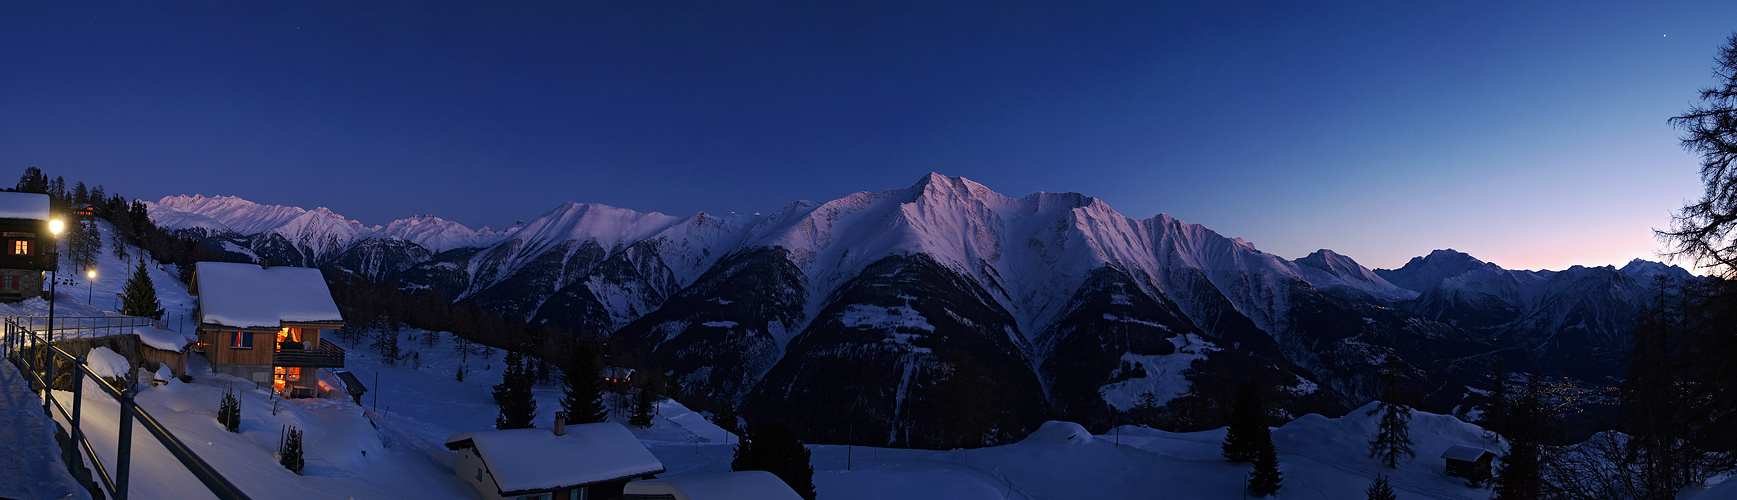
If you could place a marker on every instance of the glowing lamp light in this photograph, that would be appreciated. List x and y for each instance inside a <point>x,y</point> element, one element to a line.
<point>55,226</point>
<point>91,274</point>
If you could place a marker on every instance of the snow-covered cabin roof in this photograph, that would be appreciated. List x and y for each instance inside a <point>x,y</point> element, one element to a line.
<point>23,206</point>
<point>1465,453</point>
<point>742,485</point>
<point>250,296</point>
<point>530,460</point>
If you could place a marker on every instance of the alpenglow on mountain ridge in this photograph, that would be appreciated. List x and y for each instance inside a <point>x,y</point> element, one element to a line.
<point>918,307</point>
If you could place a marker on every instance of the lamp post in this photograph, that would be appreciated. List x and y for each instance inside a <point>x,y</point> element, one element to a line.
<point>90,285</point>
<point>54,228</point>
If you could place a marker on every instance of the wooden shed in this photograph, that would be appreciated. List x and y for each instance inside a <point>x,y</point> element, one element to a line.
<point>1469,462</point>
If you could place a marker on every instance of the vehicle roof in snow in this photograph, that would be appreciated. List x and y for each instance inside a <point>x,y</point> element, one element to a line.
<point>529,460</point>
<point>249,296</point>
<point>741,485</point>
<point>1465,453</point>
<point>23,206</point>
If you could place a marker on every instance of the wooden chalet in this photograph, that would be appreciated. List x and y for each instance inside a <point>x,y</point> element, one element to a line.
<point>267,324</point>
<point>1468,462</point>
<point>585,461</point>
<point>24,233</point>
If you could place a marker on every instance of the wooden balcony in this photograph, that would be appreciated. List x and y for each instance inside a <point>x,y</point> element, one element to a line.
<point>327,355</point>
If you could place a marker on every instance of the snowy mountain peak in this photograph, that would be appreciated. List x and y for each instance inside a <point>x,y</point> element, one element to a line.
<point>1645,270</point>
<point>1422,273</point>
<point>1328,270</point>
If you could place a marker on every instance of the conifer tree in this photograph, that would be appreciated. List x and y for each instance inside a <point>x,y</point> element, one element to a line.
<point>727,418</point>
<point>1146,410</point>
<point>289,450</point>
<point>583,392</point>
<point>773,447</point>
<point>140,296</point>
<point>1496,414</point>
<point>1265,479</point>
<point>1380,490</point>
<point>513,394</point>
<point>644,407</point>
<point>229,411</point>
<point>1247,424</point>
<point>1392,441</point>
<point>1521,474</point>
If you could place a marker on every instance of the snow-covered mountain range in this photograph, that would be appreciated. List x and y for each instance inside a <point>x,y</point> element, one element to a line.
<point>920,306</point>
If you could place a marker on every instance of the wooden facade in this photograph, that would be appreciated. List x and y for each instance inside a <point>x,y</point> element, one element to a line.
<point>24,244</point>
<point>287,359</point>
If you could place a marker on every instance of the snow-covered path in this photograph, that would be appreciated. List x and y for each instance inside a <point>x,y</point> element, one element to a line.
<point>29,458</point>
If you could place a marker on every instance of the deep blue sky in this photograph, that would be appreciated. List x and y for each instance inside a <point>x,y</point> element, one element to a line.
<point>1531,135</point>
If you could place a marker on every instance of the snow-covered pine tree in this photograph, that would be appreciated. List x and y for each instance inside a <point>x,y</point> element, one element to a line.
<point>772,447</point>
<point>582,396</point>
<point>1265,479</point>
<point>1247,422</point>
<point>1380,490</point>
<point>140,296</point>
<point>513,394</point>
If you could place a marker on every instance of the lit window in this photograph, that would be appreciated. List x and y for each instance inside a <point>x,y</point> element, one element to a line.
<point>241,340</point>
<point>20,247</point>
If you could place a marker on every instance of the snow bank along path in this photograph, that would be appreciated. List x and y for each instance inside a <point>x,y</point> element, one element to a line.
<point>29,457</point>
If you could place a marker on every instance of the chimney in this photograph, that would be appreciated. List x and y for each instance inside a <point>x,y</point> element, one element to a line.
<point>560,423</point>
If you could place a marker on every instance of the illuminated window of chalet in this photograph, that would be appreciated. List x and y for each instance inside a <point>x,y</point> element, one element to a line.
<point>292,373</point>
<point>20,247</point>
<point>241,340</point>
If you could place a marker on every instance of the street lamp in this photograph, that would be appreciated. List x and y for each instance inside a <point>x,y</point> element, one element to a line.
<point>54,229</point>
<point>90,285</point>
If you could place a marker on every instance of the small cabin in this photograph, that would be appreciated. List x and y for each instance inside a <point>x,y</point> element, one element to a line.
<point>25,243</point>
<point>740,485</point>
<point>585,461</point>
<point>1468,462</point>
<point>84,210</point>
<point>267,325</point>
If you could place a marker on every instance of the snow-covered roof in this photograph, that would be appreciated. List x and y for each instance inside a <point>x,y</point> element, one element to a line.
<point>250,296</point>
<point>23,206</point>
<point>1465,453</point>
<point>743,485</point>
<point>527,460</point>
<point>161,339</point>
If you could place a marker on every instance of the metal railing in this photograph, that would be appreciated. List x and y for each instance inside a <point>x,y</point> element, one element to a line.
<point>36,357</point>
<point>326,355</point>
<point>82,327</point>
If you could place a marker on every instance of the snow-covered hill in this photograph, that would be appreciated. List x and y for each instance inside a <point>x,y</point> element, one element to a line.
<point>315,237</point>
